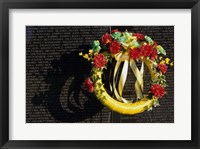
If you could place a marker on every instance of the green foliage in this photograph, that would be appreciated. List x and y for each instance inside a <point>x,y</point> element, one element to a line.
<point>160,79</point>
<point>156,103</point>
<point>160,50</point>
<point>136,44</point>
<point>96,46</point>
<point>116,35</point>
<point>123,39</point>
<point>149,40</point>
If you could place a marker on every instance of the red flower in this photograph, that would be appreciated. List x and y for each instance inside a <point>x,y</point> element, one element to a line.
<point>114,47</point>
<point>89,84</point>
<point>157,90</point>
<point>99,60</point>
<point>139,36</point>
<point>146,50</point>
<point>114,30</point>
<point>134,53</point>
<point>163,68</point>
<point>153,55</point>
<point>106,39</point>
<point>154,44</point>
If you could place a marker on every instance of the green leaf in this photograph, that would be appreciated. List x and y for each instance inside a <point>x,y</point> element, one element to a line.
<point>156,103</point>
<point>123,39</point>
<point>136,44</point>
<point>160,50</point>
<point>149,40</point>
<point>127,34</point>
<point>116,35</point>
<point>96,46</point>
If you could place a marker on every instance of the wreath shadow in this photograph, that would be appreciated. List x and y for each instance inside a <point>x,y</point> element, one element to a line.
<point>69,66</point>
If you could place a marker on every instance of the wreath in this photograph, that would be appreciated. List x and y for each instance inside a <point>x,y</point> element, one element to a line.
<point>126,49</point>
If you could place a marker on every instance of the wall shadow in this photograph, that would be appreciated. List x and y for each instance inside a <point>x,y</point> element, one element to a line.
<point>67,67</point>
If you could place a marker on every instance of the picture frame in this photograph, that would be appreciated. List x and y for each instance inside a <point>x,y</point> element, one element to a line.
<point>5,143</point>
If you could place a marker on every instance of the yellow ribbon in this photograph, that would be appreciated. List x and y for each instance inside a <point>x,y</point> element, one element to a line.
<point>124,57</point>
<point>123,77</point>
<point>114,81</point>
<point>139,76</point>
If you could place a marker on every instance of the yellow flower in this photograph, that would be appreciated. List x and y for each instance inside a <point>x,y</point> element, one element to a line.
<point>90,51</point>
<point>167,60</point>
<point>171,64</point>
<point>162,62</point>
<point>80,54</point>
<point>86,56</point>
<point>160,58</point>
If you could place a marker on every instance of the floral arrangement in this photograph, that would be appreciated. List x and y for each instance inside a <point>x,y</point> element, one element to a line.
<point>127,49</point>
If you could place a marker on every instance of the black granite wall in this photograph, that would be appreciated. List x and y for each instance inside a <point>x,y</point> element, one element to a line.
<point>55,74</point>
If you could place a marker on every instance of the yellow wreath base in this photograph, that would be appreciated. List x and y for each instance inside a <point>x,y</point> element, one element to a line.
<point>117,106</point>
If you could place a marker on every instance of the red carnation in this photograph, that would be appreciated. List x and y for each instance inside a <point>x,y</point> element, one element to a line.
<point>163,68</point>
<point>157,90</point>
<point>139,36</point>
<point>153,55</point>
<point>114,30</point>
<point>99,60</point>
<point>114,47</point>
<point>89,84</point>
<point>134,53</point>
<point>154,44</point>
<point>146,50</point>
<point>106,39</point>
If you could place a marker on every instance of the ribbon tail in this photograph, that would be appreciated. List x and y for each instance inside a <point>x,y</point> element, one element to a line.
<point>123,77</point>
<point>120,58</point>
<point>114,80</point>
<point>139,77</point>
<point>122,81</point>
<point>139,86</point>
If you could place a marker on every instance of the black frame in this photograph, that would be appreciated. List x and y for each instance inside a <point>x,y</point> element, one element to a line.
<point>5,5</point>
